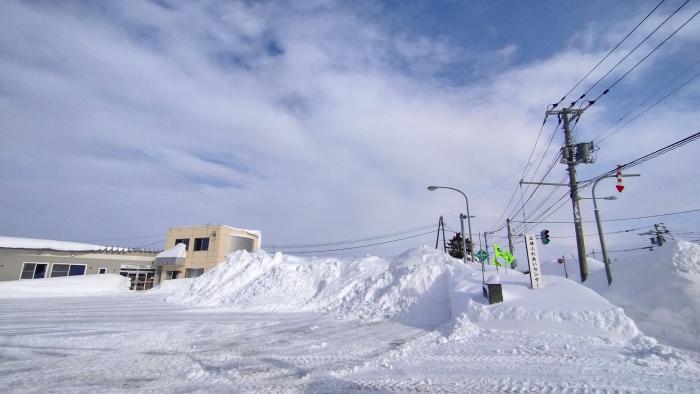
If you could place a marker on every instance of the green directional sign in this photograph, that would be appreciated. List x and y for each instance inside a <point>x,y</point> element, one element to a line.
<point>482,255</point>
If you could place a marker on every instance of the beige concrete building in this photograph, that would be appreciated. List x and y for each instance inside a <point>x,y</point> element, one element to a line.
<point>206,246</point>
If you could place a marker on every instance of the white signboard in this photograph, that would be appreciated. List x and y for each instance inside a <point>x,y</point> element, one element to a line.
<point>533,260</point>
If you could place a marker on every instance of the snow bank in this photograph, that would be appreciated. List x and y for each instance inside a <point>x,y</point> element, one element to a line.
<point>422,287</point>
<point>70,286</point>
<point>173,286</point>
<point>411,287</point>
<point>660,289</point>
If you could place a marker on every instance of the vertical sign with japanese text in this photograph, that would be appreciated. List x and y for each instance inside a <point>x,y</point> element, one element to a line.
<point>533,260</point>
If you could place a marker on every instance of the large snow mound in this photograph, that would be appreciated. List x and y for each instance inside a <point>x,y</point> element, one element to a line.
<point>660,290</point>
<point>421,287</point>
<point>70,286</point>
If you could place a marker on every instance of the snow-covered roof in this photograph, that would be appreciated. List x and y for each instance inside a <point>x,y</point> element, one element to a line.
<point>177,251</point>
<point>36,243</point>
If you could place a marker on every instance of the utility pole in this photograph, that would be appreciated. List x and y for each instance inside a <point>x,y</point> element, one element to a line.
<point>441,227</point>
<point>510,237</point>
<point>464,243</point>
<point>572,155</point>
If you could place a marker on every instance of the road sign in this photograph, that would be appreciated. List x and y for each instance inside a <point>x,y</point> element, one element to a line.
<point>482,255</point>
<point>533,260</point>
<point>618,175</point>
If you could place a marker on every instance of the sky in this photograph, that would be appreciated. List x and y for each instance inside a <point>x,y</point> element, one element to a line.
<point>324,121</point>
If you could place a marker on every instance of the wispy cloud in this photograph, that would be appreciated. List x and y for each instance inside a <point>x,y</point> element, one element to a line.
<point>308,121</point>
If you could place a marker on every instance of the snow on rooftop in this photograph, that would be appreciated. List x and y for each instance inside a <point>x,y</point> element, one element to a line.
<point>36,243</point>
<point>177,251</point>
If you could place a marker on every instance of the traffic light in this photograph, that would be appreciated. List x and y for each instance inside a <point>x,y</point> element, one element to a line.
<point>544,236</point>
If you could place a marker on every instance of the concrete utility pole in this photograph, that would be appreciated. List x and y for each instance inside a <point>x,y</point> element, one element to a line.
<point>464,243</point>
<point>510,237</point>
<point>572,155</point>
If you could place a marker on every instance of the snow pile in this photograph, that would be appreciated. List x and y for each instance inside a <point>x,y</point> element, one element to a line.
<point>69,286</point>
<point>411,287</point>
<point>561,305</point>
<point>422,287</point>
<point>660,290</point>
<point>173,286</point>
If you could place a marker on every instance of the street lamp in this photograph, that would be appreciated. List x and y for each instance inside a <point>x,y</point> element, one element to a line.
<point>469,216</point>
<point>606,260</point>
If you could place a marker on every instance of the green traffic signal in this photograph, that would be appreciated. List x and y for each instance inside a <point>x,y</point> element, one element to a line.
<point>544,236</point>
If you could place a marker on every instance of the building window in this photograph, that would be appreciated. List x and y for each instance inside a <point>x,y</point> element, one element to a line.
<point>171,275</point>
<point>102,271</point>
<point>33,271</point>
<point>201,244</point>
<point>193,272</point>
<point>185,241</point>
<point>142,277</point>
<point>59,270</point>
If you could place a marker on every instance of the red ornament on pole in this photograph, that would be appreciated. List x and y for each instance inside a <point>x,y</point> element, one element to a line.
<point>619,185</point>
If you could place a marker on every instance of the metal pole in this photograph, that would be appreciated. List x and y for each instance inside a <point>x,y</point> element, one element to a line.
<point>438,232</point>
<point>601,235</point>
<point>482,264</point>
<point>469,223</point>
<point>486,242</point>
<point>563,261</point>
<point>444,241</point>
<point>464,252</point>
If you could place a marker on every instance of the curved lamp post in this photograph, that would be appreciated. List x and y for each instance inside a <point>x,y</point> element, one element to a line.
<point>469,222</point>
<point>601,237</point>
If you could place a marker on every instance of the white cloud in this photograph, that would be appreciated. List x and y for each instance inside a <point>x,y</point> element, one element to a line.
<point>145,117</point>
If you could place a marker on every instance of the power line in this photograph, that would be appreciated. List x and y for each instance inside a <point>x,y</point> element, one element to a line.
<point>333,243</point>
<point>527,164</point>
<point>644,58</point>
<point>363,246</point>
<point>629,250</point>
<point>607,55</point>
<point>622,219</point>
<point>629,54</point>
<point>649,156</point>
<point>122,238</point>
<point>151,244</point>
<point>659,90</point>
<point>684,84</point>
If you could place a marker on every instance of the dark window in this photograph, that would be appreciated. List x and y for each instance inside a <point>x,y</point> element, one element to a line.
<point>28,271</point>
<point>33,271</point>
<point>201,244</point>
<point>185,241</point>
<point>193,272</point>
<point>76,270</point>
<point>102,271</point>
<point>58,270</point>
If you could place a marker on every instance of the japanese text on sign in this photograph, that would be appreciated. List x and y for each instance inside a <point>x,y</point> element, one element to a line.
<point>533,260</point>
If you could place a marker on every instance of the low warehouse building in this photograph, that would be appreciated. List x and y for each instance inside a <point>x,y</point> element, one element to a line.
<point>200,248</point>
<point>29,258</point>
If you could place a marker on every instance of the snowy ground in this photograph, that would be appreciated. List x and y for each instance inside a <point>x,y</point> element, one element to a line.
<point>138,343</point>
<point>277,323</point>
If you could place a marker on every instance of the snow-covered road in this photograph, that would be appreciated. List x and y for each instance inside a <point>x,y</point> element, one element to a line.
<point>137,343</point>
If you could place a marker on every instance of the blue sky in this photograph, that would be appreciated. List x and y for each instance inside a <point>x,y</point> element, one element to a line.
<point>320,121</point>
